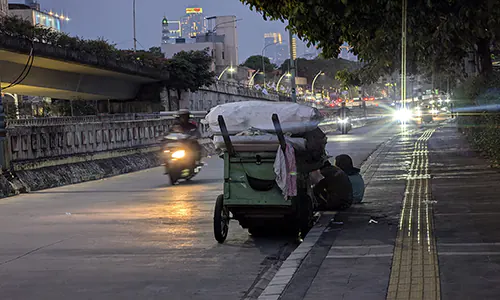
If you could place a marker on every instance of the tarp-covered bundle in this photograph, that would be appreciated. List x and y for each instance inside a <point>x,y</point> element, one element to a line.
<point>251,128</point>
<point>241,116</point>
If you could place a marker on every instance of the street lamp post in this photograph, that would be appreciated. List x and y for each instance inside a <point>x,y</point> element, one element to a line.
<point>281,78</point>
<point>263,64</point>
<point>229,69</point>
<point>314,81</point>
<point>250,82</point>
<point>133,16</point>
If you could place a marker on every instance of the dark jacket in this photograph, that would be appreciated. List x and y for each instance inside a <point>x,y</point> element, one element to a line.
<point>335,190</point>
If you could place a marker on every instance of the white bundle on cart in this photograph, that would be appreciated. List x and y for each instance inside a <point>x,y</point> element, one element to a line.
<point>241,116</point>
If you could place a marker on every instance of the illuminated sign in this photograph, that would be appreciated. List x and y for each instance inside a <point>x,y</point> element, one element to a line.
<point>194,10</point>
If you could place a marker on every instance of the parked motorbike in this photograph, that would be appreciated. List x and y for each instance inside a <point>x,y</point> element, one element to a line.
<point>180,157</point>
<point>344,125</point>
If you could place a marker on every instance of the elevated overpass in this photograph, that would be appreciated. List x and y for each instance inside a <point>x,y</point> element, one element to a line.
<point>57,73</point>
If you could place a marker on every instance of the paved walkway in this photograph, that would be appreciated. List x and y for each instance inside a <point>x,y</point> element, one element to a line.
<point>429,228</point>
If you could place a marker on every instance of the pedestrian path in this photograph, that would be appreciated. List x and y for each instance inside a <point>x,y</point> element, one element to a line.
<point>429,229</point>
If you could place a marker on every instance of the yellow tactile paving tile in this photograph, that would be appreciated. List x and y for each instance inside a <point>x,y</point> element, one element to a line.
<point>415,270</point>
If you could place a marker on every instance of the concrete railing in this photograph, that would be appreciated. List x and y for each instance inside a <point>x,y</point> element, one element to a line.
<point>53,138</point>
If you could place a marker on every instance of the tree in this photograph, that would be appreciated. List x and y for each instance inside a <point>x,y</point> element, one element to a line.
<point>156,51</point>
<point>255,62</point>
<point>310,68</point>
<point>189,71</point>
<point>440,33</point>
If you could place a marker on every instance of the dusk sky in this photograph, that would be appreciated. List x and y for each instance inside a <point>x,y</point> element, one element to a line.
<point>112,19</point>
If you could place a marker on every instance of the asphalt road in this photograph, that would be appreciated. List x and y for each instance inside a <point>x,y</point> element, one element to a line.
<point>135,237</point>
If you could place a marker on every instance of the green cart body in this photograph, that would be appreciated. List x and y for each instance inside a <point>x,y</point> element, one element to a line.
<point>252,196</point>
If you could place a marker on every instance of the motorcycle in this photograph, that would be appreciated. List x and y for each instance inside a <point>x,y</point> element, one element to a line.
<point>344,125</point>
<point>180,157</point>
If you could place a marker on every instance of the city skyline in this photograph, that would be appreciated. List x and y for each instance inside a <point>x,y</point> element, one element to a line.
<point>113,21</point>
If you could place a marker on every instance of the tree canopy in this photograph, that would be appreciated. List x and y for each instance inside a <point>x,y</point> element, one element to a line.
<point>310,68</point>
<point>440,33</point>
<point>255,62</point>
<point>189,71</point>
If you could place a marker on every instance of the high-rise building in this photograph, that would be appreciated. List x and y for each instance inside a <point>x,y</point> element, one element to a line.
<point>273,43</point>
<point>225,26</point>
<point>31,12</point>
<point>193,23</point>
<point>277,50</point>
<point>171,30</point>
<point>294,48</point>
<point>222,43</point>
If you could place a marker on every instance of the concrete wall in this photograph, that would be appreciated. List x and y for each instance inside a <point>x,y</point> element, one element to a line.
<point>42,140</point>
<point>206,98</point>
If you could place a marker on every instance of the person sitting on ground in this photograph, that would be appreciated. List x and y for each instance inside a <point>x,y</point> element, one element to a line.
<point>334,191</point>
<point>344,162</point>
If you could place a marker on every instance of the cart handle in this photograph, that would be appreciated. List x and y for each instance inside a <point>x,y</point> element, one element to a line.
<point>225,135</point>
<point>279,132</point>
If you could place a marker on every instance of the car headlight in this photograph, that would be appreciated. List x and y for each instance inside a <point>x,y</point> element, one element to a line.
<point>343,121</point>
<point>402,115</point>
<point>179,154</point>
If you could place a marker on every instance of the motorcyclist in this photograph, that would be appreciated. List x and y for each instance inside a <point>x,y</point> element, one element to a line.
<point>184,125</point>
<point>343,112</point>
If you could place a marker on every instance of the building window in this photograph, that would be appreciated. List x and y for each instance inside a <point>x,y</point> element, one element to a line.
<point>223,55</point>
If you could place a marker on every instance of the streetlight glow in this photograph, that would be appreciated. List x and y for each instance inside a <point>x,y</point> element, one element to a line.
<point>229,69</point>
<point>281,78</point>
<point>320,73</point>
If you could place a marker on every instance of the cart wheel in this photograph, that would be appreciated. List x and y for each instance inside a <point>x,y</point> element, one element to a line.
<point>221,220</point>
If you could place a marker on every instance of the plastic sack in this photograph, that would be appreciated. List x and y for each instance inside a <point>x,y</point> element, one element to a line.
<point>240,116</point>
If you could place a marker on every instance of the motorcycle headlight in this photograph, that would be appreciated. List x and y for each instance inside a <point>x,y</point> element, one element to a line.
<point>179,154</point>
<point>402,115</point>
<point>343,121</point>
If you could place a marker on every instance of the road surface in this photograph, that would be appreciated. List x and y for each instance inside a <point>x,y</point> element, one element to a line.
<point>135,237</point>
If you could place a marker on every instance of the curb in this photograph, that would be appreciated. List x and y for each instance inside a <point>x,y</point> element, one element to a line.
<point>291,265</point>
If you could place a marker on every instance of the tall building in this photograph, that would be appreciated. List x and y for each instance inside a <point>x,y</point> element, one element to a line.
<point>222,43</point>
<point>226,26</point>
<point>171,30</point>
<point>32,13</point>
<point>275,49</point>
<point>294,48</point>
<point>193,23</point>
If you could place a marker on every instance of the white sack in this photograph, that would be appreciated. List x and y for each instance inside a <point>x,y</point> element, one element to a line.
<point>240,116</point>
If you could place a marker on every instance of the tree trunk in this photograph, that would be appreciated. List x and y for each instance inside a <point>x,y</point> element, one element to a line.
<point>179,92</point>
<point>484,54</point>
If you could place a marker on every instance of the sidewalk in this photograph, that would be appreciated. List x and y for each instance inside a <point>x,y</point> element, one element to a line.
<point>440,195</point>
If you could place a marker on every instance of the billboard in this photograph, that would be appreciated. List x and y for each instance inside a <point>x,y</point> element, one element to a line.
<point>194,10</point>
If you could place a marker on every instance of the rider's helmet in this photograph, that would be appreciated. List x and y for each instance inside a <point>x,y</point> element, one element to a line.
<point>183,114</point>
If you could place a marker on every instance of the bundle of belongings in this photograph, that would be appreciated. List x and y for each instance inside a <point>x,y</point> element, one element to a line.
<point>251,129</point>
